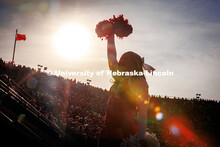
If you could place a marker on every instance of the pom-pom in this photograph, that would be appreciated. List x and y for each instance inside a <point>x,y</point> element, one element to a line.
<point>104,28</point>
<point>121,26</point>
<point>116,25</point>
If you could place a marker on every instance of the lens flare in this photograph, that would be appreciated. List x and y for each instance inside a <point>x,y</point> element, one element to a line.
<point>174,130</point>
<point>146,101</point>
<point>21,118</point>
<point>181,132</point>
<point>157,109</point>
<point>31,83</point>
<point>139,96</point>
<point>159,115</point>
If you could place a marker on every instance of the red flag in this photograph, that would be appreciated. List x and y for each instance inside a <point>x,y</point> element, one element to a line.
<point>20,37</point>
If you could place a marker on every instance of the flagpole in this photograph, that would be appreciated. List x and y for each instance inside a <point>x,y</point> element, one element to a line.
<point>14,46</point>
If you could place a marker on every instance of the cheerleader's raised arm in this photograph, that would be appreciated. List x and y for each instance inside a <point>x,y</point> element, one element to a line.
<point>111,53</point>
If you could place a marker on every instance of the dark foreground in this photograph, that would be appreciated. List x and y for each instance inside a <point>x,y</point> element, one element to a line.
<point>41,110</point>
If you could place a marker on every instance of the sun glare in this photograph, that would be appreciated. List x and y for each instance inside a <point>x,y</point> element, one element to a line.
<point>72,41</point>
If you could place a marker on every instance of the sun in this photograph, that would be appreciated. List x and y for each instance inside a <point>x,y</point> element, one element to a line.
<point>72,41</point>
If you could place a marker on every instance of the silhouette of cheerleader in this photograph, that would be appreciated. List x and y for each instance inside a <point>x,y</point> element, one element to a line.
<point>128,94</point>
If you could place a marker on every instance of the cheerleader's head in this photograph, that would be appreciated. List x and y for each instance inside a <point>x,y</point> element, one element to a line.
<point>130,61</point>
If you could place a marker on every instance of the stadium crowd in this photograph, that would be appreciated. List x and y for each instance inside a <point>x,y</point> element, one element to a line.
<point>79,109</point>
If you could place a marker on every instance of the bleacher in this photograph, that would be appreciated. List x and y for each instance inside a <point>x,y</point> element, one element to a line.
<point>21,123</point>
